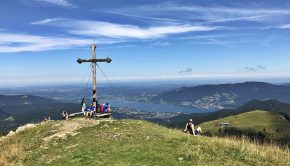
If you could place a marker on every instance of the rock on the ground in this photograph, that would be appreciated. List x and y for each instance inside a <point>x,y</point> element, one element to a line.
<point>11,133</point>
<point>22,128</point>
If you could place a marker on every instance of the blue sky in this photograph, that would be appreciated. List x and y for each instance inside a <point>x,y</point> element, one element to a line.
<point>40,40</point>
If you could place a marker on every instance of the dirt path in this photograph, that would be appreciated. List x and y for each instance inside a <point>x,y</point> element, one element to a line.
<point>70,127</point>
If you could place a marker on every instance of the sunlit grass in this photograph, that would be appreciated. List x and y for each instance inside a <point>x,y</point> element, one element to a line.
<point>129,142</point>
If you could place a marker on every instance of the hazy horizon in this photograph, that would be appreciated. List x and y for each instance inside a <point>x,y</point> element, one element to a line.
<point>176,82</point>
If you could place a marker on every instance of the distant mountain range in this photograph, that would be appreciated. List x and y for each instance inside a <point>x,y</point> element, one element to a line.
<point>225,95</point>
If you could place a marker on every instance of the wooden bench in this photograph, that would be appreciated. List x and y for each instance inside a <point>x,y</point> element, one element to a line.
<point>98,115</point>
<point>75,114</point>
<point>104,115</point>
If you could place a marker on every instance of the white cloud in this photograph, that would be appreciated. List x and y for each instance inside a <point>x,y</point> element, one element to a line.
<point>257,18</point>
<point>140,17</point>
<point>10,42</point>
<point>199,76</point>
<point>45,21</point>
<point>95,28</point>
<point>112,30</point>
<point>229,10</point>
<point>161,43</point>
<point>228,40</point>
<point>255,68</point>
<point>63,3</point>
<point>285,26</point>
<point>207,13</point>
<point>185,70</point>
<point>204,14</point>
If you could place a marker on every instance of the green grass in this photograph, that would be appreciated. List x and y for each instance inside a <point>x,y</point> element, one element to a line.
<point>257,121</point>
<point>129,142</point>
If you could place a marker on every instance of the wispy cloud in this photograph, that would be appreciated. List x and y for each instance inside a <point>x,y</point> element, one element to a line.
<point>285,26</point>
<point>199,76</point>
<point>266,41</point>
<point>96,28</point>
<point>46,21</point>
<point>229,10</point>
<point>112,30</point>
<point>257,18</point>
<point>255,68</point>
<point>185,70</point>
<point>214,36</point>
<point>10,42</point>
<point>63,3</point>
<point>161,43</point>
<point>140,17</point>
<point>231,40</point>
<point>206,14</point>
<point>217,42</point>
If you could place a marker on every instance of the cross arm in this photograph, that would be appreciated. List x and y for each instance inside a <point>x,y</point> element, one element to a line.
<point>108,60</point>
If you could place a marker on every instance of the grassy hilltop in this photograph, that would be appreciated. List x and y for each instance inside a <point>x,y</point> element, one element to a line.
<point>82,141</point>
<point>273,125</point>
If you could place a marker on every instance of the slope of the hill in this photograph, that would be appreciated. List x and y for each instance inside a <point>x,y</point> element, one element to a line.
<point>271,125</point>
<point>128,142</point>
<point>225,95</point>
<point>266,105</point>
<point>198,118</point>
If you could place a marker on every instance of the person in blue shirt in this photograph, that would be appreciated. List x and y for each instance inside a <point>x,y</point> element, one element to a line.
<point>91,111</point>
<point>106,108</point>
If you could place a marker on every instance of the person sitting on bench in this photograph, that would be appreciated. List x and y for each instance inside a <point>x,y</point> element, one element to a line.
<point>84,107</point>
<point>106,108</point>
<point>91,111</point>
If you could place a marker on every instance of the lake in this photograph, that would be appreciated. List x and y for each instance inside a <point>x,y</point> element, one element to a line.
<point>152,107</point>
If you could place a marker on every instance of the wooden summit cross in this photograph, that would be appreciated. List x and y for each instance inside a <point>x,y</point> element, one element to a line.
<point>94,61</point>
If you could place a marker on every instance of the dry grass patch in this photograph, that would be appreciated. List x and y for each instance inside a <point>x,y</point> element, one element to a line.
<point>233,151</point>
<point>11,152</point>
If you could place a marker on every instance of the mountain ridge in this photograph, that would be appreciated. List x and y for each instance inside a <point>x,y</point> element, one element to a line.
<point>220,96</point>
